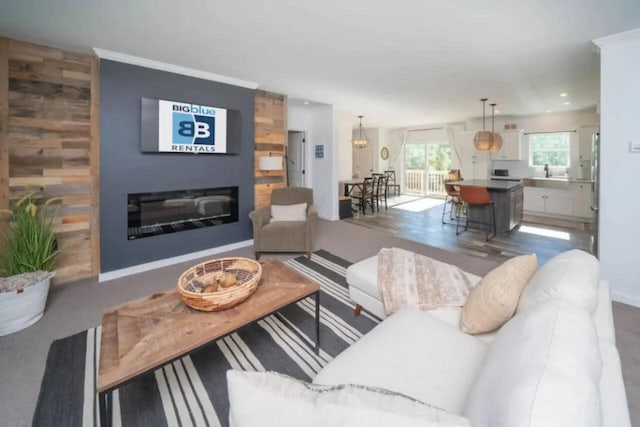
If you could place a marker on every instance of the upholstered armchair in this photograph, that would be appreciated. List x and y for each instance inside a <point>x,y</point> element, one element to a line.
<point>278,234</point>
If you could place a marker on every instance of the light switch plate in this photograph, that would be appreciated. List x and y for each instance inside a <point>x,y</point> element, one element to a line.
<point>634,146</point>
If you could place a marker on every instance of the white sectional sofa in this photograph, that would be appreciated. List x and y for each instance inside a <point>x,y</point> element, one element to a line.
<point>554,363</point>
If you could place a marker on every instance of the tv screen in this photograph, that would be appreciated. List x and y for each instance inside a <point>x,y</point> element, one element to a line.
<point>180,127</point>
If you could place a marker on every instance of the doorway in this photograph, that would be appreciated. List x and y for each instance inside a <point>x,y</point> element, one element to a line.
<point>426,167</point>
<point>295,157</point>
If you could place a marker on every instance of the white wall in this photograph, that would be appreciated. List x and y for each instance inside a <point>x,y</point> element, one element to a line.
<point>364,158</point>
<point>620,169</point>
<point>319,123</point>
<point>344,147</point>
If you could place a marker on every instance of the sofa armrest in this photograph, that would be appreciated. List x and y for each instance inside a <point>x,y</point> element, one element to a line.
<point>312,219</point>
<point>260,217</point>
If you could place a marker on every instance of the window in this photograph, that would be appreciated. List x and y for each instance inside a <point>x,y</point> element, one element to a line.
<point>552,149</point>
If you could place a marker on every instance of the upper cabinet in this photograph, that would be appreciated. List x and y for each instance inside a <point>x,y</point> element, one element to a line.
<point>474,164</point>
<point>510,147</point>
<point>585,138</point>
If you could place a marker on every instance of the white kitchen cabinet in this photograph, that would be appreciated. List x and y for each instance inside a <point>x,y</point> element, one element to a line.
<point>474,164</point>
<point>585,138</point>
<point>510,147</point>
<point>534,199</point>
<point>582,199</point>
<point>548,201</point>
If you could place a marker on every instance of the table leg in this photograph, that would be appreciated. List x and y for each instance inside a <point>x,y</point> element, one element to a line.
<point>318,322</point>
<point>106,408</point>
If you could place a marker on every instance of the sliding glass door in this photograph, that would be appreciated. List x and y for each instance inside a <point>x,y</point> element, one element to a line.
<point>425,167</point>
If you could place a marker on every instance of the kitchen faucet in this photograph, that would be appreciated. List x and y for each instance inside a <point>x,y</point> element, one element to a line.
<point>546,171</point>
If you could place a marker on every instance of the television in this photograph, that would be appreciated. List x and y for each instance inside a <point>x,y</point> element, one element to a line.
<point>182,127</point>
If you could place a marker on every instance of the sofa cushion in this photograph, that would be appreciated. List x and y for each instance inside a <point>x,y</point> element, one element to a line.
<point>270,399</point>
<point>573,275</point>
<point>494,300</point>
<point>542,368</point>
<point>297,212</point>
<point>412,353</point>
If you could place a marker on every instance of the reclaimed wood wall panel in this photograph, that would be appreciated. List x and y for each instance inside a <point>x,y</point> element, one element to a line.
<point>49,140</point>
<point>270,135</point>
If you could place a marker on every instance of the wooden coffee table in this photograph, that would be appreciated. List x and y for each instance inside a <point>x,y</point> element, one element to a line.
<point>142,335</point>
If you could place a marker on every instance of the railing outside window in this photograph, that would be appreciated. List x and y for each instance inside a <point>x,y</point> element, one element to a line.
<point>414,182</point>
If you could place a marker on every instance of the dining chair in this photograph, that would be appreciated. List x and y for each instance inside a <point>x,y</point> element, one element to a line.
<point>363,194</point>
<point>391,182</point>
<point>380,191</point>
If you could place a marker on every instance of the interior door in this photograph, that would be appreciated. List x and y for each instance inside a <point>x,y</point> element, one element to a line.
<point>295,159</point>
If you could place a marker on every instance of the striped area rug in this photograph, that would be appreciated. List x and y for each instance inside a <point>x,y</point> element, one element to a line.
<point>192,391</point>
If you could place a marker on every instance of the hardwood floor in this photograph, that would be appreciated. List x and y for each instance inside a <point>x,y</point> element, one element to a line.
<point>426,227</point>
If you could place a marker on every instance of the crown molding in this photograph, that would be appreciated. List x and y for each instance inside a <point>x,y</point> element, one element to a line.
<point>632,35</point>
<point>171,68</point>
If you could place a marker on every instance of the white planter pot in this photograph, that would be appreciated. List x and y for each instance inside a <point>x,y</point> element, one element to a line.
<point>22,308</point>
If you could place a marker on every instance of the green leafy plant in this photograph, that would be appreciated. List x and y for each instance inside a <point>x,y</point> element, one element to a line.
<point>29,242</point>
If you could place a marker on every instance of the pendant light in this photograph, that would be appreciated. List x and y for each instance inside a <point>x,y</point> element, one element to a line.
<point>496,138</point>
<point>483,139</point>
<point>361,141</point>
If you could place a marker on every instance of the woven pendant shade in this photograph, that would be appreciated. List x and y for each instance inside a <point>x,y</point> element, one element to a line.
<point>483,140</point>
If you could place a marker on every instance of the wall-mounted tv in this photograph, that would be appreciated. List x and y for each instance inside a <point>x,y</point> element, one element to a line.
<point>181,127</point>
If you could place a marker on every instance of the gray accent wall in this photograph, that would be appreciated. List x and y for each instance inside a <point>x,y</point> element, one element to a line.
<point>125,169</point>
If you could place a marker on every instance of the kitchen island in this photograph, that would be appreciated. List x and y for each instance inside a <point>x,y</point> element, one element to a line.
<point>508,198</point>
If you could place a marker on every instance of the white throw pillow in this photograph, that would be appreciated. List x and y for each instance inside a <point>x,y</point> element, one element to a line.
<point>296,212</point>
<point>573,276</point>
<point>543,368</point>
<point>268,399</point>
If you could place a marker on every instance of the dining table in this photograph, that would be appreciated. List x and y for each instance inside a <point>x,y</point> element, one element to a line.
<point>351,184</point>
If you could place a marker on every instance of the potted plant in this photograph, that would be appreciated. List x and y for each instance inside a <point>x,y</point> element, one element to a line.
<point>28,253</point>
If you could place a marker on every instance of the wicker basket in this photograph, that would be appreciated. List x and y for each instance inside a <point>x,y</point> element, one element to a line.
<point>247,274</point>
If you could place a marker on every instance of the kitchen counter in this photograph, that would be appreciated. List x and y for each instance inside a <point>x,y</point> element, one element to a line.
<point>507,197</point>
<point>491,185</point>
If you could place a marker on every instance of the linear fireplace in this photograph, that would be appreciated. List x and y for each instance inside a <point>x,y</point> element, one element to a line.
<point>151,214</point>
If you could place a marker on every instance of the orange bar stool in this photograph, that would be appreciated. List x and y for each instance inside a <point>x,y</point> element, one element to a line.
<point>478,198</point>
<point>452,199</point>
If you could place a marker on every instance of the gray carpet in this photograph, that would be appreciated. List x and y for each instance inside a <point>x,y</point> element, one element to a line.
<point>193,389</point>
<point>76,307</point>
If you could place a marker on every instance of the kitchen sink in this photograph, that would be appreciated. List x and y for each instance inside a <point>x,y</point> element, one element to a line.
<point>551,182</point>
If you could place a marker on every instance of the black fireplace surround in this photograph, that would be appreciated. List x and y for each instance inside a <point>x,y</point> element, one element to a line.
<point>151,214</point>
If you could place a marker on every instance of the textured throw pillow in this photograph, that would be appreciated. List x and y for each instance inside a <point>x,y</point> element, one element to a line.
<point>493,302</point>
<point>268,399</point>
<point>289,212</point>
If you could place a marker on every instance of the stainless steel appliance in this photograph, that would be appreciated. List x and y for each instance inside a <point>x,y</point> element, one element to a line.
<point>595,203</point>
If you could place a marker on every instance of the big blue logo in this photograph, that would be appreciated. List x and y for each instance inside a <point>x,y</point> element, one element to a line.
<point>193,124</point>
<point>190,128</point>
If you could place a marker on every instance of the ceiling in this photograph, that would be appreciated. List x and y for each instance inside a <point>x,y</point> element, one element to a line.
<point>400,63</point>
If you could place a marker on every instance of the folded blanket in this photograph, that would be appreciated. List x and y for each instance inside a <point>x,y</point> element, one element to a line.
<point>409,279</point>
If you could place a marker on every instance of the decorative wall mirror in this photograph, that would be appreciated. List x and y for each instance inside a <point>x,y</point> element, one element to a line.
<point>384,153</point>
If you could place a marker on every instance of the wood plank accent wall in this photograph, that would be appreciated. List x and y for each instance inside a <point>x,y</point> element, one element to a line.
<point>270,136</point>
<point>51,134</point>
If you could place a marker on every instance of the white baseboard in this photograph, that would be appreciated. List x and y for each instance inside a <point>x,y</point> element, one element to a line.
<point>141,268</point>
<point>625,298</point>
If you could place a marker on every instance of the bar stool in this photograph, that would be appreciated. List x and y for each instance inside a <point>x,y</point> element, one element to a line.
<point>452,199</point>
<point>477,198</point>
